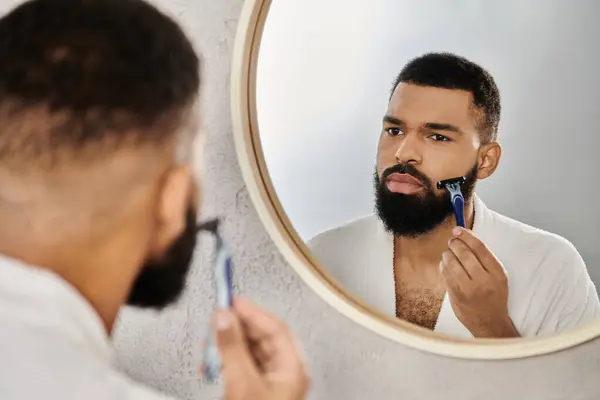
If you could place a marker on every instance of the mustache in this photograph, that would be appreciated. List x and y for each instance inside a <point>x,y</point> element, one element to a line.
<point>409,170</point>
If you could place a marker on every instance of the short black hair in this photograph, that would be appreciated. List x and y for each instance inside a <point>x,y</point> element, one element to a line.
<point>450,71</point>
<point>103,72</point>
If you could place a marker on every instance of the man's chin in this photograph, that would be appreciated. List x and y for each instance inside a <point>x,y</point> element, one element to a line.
<point>157,289</point>
<point>412,216</point>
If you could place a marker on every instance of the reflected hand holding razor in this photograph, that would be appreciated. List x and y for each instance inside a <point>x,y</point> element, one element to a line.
<point>223,270</point>
<point>456,197</point>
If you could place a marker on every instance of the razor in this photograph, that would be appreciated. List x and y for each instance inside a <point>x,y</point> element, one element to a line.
<point>224,289</point>
<point>456,197</point>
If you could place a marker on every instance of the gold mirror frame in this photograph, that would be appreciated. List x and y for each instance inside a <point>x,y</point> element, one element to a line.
<point>297,254</point>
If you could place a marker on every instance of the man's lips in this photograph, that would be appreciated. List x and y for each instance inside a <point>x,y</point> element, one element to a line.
<point>404,184</point>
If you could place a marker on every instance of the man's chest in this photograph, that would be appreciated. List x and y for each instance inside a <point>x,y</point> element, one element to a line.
<point>418,299</point>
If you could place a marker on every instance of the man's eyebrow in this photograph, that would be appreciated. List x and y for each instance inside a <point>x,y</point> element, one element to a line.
<point>392,120</point>
<point>442,127</point>
<point>438,126</point>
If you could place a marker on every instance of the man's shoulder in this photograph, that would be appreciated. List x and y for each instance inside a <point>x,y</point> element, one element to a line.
<point>346,233</point>
<point>64,369</point>
<point>524,239</point>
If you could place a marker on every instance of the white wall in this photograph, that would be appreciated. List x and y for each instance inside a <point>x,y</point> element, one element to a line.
<point>326,69</point>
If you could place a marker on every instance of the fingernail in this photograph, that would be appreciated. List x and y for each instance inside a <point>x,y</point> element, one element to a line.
<point>456,231</point>
<point>223,320</point>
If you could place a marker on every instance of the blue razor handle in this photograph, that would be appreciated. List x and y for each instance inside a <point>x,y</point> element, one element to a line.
<point>458,203</point>
<point>224,289</point>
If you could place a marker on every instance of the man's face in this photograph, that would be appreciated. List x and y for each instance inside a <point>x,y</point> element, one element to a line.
<point>429,134</point>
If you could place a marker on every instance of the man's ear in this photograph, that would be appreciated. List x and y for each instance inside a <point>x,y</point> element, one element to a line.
<point>174,201</point>
<point>489,158</point>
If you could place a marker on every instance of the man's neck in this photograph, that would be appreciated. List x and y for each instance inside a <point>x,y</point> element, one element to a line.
<point>427,249</point>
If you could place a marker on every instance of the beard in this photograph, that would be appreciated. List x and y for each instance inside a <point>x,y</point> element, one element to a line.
<point>417,214</point>
<point>161,282</point>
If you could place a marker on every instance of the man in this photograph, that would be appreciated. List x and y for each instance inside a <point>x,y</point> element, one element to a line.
<point>411,262</point>
<point>98,116</point>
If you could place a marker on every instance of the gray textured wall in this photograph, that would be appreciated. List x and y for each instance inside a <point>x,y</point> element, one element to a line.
<point>346,361</point>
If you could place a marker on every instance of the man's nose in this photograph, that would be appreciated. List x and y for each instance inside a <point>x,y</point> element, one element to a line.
<point>409,150</point>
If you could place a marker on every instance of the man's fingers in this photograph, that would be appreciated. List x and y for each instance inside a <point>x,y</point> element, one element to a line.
<point>467,259</point>
<point>453,266</point>
<point>263,352</point>
<point>278,348</point>
<point>259,324</point>
<point>236,359</point>
<point>452,286</point>
<point>479,249</point>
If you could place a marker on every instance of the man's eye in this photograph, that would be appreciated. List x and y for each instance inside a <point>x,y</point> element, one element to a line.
<point>439,138</point>
<point>393,131</point>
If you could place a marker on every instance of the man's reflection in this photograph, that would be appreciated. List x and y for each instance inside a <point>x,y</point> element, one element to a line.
<point>501,278</point>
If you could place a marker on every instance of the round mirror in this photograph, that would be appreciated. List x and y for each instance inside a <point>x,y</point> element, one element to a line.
<point>369,131</point>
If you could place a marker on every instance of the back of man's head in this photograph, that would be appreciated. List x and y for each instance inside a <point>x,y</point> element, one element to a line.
<point>96,96</point>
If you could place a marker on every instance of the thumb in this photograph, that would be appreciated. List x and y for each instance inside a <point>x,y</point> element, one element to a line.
<point>237,361</point>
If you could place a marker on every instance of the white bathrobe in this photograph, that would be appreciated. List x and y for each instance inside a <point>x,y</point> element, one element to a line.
<point>53,345</point>
<point>549,287</point>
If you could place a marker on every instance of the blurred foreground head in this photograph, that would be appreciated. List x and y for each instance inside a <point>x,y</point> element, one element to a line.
<point>98,120</point>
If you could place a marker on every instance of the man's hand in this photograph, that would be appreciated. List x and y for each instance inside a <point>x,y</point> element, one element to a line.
<point>259,356</point>
<point>477,286</point>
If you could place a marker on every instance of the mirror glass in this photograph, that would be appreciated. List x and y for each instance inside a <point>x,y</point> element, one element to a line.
<point>363,107</point>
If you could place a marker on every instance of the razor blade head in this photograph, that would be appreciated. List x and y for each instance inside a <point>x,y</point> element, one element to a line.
<point>210,226</point>
<point>442,184</point>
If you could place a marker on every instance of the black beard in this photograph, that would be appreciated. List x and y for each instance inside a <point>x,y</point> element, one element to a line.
<point>415,215</point>
<point>161,282</point>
